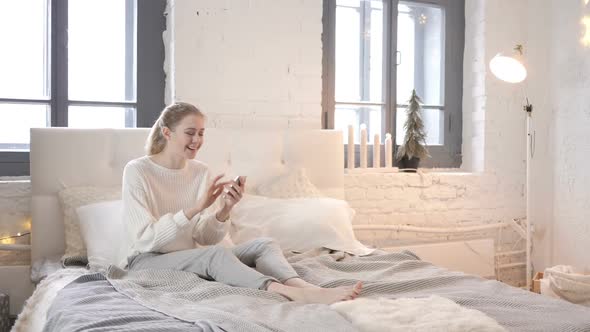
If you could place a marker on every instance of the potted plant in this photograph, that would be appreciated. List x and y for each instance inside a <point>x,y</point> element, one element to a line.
<point>413,148</point>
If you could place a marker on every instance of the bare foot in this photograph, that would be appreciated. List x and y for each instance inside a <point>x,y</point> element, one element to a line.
<point>317,294</point>
<point>299,283</point>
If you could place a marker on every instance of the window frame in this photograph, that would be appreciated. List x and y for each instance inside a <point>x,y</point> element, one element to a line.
<point>447,155</point>
<point>150,76</point>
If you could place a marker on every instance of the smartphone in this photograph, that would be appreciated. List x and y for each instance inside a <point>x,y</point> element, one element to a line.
<point>237,180</point>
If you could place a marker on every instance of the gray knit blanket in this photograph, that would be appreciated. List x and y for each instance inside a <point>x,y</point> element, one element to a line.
<point>167,300</point>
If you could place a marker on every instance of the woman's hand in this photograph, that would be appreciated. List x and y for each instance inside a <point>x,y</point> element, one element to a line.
<point>214,190</point>
<point>231,196</point>
<point>212,193</point>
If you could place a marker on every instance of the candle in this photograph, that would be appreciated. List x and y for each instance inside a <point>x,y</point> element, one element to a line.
<point>363,145</point>
<point>350,147</point>
<point>376,151</point>
<point>388,150</point>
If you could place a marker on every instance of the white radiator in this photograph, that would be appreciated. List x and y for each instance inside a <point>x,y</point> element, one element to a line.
<point>472,257</point>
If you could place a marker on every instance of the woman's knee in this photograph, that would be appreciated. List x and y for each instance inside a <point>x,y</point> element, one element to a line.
<point>265,242</point>
<point>221,252</point>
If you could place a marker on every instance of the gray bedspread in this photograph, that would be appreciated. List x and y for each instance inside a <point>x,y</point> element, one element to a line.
<point>166,300</point>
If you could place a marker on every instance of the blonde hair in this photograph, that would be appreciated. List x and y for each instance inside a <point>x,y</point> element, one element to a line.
<point>170,117</point>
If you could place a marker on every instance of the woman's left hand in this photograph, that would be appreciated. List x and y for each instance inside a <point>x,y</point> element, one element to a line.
<point>231,196</point>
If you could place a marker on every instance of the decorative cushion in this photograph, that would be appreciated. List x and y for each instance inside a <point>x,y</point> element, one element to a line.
<point>73,198</point>
<point>293,184</point>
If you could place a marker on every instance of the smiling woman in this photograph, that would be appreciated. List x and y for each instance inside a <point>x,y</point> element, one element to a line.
<point>176,215</point>
<point>181,125</point>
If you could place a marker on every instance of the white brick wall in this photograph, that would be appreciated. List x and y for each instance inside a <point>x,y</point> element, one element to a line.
<point>253,64</point>
<point>474,96</point>
<point>15,198</point>
<point>429,199</point>
<point>560,181</point>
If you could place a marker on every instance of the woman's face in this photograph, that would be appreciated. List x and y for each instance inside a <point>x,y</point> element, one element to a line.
<point>187,137</point>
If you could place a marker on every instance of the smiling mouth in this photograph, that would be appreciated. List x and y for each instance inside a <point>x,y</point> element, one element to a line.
<point>192,148</point>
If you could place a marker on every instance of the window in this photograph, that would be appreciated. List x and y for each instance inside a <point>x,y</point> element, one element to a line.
<point>77,63</point>
<point>377,51</point>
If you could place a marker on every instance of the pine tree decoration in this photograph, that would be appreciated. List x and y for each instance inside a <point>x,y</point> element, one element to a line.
<point>414,144</point>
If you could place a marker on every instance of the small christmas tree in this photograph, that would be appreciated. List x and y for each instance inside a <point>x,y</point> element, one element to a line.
<point>414,144</point>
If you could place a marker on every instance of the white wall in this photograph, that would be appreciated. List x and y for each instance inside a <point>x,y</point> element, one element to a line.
<point>253,64</point>
<point>538,50</point>
<point>570,101</point>
<point>564,116</point>
<point>15,198</point>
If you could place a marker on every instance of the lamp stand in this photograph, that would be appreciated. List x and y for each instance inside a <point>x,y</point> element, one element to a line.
<point>528,108</point>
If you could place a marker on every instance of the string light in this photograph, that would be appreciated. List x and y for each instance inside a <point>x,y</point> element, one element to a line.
<point>19,234</point>
<point>422,19</point>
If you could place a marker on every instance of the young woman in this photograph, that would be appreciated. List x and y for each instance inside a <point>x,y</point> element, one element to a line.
<point>176,216</point>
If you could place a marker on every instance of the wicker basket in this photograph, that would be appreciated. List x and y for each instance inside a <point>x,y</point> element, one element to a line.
<point>4,313</point>
<point>536,286</point>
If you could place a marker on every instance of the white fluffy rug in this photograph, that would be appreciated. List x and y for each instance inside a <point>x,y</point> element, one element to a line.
<point>433,313</point>
<point>33,316</point>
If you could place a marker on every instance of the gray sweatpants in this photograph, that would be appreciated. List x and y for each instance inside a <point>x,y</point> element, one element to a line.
<point>253,264</point>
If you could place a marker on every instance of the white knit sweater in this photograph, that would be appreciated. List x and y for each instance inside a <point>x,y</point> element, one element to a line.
<point>154,198</point>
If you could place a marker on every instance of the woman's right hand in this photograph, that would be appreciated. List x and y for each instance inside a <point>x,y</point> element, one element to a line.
<point>215,189</point>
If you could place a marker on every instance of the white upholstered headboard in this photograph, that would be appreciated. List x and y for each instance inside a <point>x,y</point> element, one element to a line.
<point>96,157</point>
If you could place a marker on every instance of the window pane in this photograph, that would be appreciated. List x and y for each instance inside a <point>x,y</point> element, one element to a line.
<point>101,50</point>
<point>347,53</point>
<point>359,51</point>
<point>101,117</point>
<point>24,69</point>
<point>405,60</point>
<point>354,115</point>
<point>376,84</point>
<point>16,120</point>
<point>421,46</point>
<point>433,124</point>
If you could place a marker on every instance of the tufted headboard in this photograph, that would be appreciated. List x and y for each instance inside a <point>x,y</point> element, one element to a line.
<point>63,157</point>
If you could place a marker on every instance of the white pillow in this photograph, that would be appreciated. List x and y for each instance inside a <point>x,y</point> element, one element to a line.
<point>292,184</point>
<point>72,198</point>
<point>101,225</point>
<point>297,224</point>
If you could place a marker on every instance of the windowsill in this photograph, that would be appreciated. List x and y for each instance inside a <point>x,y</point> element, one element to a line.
<point>15,179</point>
<point>421,171</point>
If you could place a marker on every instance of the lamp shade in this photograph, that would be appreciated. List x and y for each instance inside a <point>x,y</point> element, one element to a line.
<point>508,69</point>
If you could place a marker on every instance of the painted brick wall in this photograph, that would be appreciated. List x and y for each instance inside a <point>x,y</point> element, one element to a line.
<point>562,117</point>
<point>15,198</point>
<point>539,54</point>
<point>248,63</point>
<point>474,88</point>
<point>434,200</point>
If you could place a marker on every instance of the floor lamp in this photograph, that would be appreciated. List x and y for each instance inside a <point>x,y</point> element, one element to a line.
<point>510,69</point>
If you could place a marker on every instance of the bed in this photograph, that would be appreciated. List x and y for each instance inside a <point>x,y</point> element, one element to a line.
<point>155,300</point>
